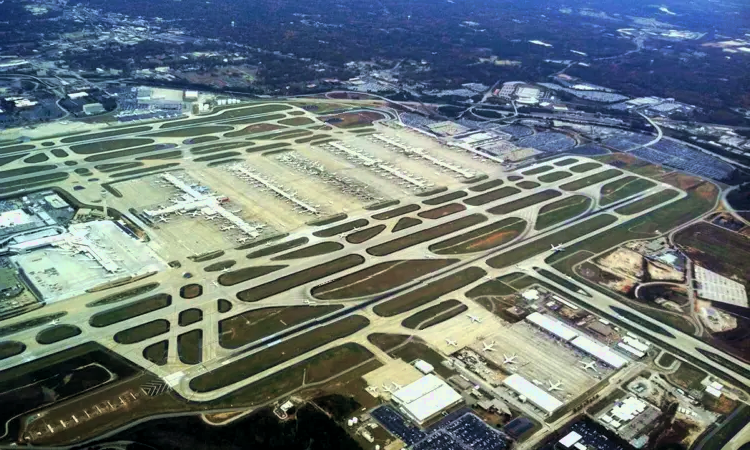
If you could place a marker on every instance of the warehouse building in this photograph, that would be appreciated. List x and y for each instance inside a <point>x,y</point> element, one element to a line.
<point>553,326</point>
<point>599,351</point>
<point>425,398</point>
<point>532,393</point>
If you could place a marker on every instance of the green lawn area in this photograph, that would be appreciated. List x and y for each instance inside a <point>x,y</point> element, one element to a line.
<point>57,333</point>
<point>591,180</point>
<point>561,210</point>
<point>417,318</point>
<point>483,238</point>
<point>554,176</point>
<point>647,202</point>
<point>105,134</point>
<point>585,167</point>
<point>538,170</point>
<point>524,202</point>
<point>135,309</point>
<point>142,332</point>
<point>229,114</point>
<point>108,146</point>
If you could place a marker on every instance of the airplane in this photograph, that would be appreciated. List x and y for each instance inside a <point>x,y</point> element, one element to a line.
<point>195,214</point>
<point>162,219</point>
<point>387,389</point>
<point>396,385</point>
<point>236,211</point>
<point>308,302</point>
<point>242,240</point>
<point>215,283</point>
<point>554,386</point>
<point>55,322</point>
<point>226,269</point>
<point>558,248</point>
<point>591,365</point>
<point>509,359</point>
<point>227,228</point>
<point>453,343</point>
<point>474,319</point>
<point>488,347</point>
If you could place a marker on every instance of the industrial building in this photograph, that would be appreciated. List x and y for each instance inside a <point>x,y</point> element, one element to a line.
<point>532,393</point>
<point>425,398</point>
<point>553,326</point>
<point>599,351</point>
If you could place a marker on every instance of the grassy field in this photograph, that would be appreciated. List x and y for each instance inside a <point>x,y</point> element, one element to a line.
<point>442,211</point>
<point>486,186</point>
<point>429,292</point>
<point>58,152</point>
<point>105,134</point>
<point>258,362</point>
<point>190,347</point>
<point>267,251</point>
<point>688,377</point>
<point>106,168</point>
<point>296,121</point>
<point>299,278</point>
<point>321,248</point>
<point>11,348</point>
<point>591,180</point>
<point>386,341</point>
<point>445,198</point>
<point>554,176</point>
<point>29,183</point>
<point>414,350</point>
<point>223,305</point>
<point>528,184</point>
<point>647,202</point>
<point>484,238</point>
<point>190,316</point>
<point>145,170</point>
<point>413,321</point>
<point>217,156</point>
<point>219,265</point>
<point>25,171</point>
<point>57,333</point>
<point>191,132</point>
<point>342,228</point>
<point>491,288</point>
<point>623,188</point>
<point>229,114</point>
<point>124,295</point>
<point>491,196</point>
<point>220,147</point>
<point>35,159</point>
<point>200,140</point>
<point>405,222</point>
<point>378,278</point>
<point>585,167</point>
<point>142,332</point>
<point>666,359</point>
<point>426,235</point>
<point>135,309</point>
<point>565,162</point>
<point>29,324</point>
<point>400,211</point>
<point>128,152</point>
<point>561,210</point>
<point>190,291</point>
<point>246,273</point>
<point>250,326</point>
<point>157,353</point>
<point>444,316</point>
<point>543,244</point>
<point>108,146</point>
<point>525,202</point>
<point>257,126</point>
<point>365,235</point>
<point>538,170</point>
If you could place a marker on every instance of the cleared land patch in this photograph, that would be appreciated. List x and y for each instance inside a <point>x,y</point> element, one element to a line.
<point>365,235</point>
<point>426,235</point>
<point>543,244</point>
<point>278,248</point>
<point>321,248</point>
<point>591,180</point>
<point>108,146</point>
<point>561,210</point>
<point>190,347</point>
<point>647,202</point>
<point>246,273</point>
<point>486,186</point>
<point>250,326</point>
<point>585,167</point>
<point>623,188</point>
<point>57,333</point>
<point>442,211</point>
<point>554,176</point>
<point>413,321</point>
<point>491,196</point>
<point>484,238</point>
<point>343,228</point>
<point>299,278</point>
<point>524,202</point>
<point>429,292</point>
<point>400,211</point>
<point>258,362</point>
<point>445,198</point>
<point>142,332</point>
<point>135,309</point>
<point>378,278</point>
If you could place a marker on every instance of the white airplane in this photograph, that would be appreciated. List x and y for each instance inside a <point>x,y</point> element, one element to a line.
<point>215,283</point>
<point>387,389</point>
<point>162,219</point>
<point>195,214</point>
<point>210,217</point>
<point>308,302</point>
<point>396,385</point>
<point>242,240</point>
<point>591,365</point>
<point>55,322</point>
<point>509,359</point>
<point>474,319</point>
<point>226,269</point>
<point>236,211</point>
<point>227,228</point>
<point>452,343</point>
<point>488,347</point>
<point>554,386</point>
<point>557,248</point>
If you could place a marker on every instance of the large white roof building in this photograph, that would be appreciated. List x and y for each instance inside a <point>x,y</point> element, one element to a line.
<point>425,398</point>
<point>553,326</point>
<point>599,351</point>
<point>533,393</point>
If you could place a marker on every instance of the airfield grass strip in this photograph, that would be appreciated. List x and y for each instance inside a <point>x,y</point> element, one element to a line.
<point>543,244</point>
<point>390,214</point>
<point>17,148</point>
<point>647,202</point>
<point>484,238</point>
<point>491,196</point>
<point>250,121</point>
<point>191,132</point>
<point>175,154</point>
<point>365,235</point>
<point>486,186</point>
<point>445,198</point>
<point>128,152</point>
<point>106,168</point>
<point>28,183</point>
<point>57,333</point>
<point>108,146</point>
<point>565,162</point>
<point>429,292</point>
<point>25,171</point>
<point>142,332</point>
<point>9,159</point>
<point>35,159</point>
<point>445,316</point>
<point>591,180</point>
<point>321,248</point>
<point>561,210</point>
<point>342,228</point>
<point>425,235</point>
<point>299,278</point>
<point>106,134</point>
<point>537,170</point>
<point>554,176</point>
<point>124,295</point>
<point>145,170</point>
<point>245,274</point>
<point>229,114</point>
<point>525,202</point>
<point>9,349</point>
<point>212,148</point>
<point>256,363</point>
<point>217,156</point>
<point>278,248</point>
<point>623,188</point>
<point>415,319</point>
<point>190,347</point>
<point>135,309</point>
<point>585,167</point>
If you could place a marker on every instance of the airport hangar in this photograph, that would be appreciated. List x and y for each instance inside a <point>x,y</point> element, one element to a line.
<point>425,398</point>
